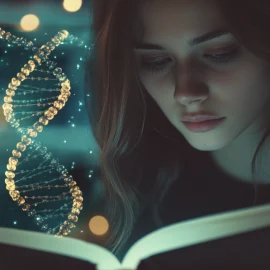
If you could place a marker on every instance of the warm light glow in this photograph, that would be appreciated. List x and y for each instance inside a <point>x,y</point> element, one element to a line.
<point>29,22</point>
<point>72,5</point>
<point>98,225</point>
<point>3,121</point>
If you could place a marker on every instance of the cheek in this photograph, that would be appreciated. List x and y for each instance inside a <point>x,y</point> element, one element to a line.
<point>246,92</point>
<point>159,87</point>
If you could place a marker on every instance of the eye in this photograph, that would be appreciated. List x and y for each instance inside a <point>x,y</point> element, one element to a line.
<point>154,66</point>
<point>224,57</point>
<point>160,65</point>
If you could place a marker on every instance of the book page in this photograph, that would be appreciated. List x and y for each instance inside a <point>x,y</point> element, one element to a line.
<point>78,249</point>
<point>197,231</point>
<point>172,237</point>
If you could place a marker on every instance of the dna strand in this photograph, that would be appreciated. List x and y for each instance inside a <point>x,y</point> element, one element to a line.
<point>35,179</point>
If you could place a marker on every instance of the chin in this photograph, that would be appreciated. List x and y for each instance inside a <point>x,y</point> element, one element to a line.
<point>207,146</point>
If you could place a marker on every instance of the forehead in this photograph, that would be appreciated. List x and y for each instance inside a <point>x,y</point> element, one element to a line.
<point>191,17</point>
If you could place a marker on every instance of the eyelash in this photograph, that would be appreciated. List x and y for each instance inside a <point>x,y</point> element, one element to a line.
<point>158,66</point>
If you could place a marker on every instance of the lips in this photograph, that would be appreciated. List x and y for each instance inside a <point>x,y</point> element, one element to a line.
<point>199,118</point>
<point>203,126</point>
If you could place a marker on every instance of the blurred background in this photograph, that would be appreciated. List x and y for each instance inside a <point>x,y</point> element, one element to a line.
<point>68,136</point>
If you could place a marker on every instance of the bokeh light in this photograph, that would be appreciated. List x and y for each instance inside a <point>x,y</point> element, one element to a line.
<point>29,22</point>
<point>72,5</point>
<point>98,225</point>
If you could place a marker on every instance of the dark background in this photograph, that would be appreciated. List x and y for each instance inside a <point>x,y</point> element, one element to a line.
<point>68,136</point>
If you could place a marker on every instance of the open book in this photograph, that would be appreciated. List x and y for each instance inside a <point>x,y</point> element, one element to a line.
<point>207,233</point>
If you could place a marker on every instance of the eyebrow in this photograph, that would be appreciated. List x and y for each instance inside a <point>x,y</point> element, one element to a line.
<point>203,38</point>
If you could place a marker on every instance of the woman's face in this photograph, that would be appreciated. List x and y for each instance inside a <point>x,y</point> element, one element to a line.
<point>217,76</point>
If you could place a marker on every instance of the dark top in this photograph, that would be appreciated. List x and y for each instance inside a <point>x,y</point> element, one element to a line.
<point>203,190</point>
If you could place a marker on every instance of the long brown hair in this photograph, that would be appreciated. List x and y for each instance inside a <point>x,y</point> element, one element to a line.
<point>124,118</point>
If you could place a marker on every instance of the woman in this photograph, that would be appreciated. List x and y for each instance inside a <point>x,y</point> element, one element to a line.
<point>154,65</point>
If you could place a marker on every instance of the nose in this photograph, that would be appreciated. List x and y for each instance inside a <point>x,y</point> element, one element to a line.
<point>190,88</point>
<point>187,99</point>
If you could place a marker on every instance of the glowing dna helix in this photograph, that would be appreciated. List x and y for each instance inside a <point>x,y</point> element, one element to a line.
<point>65,201</point>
